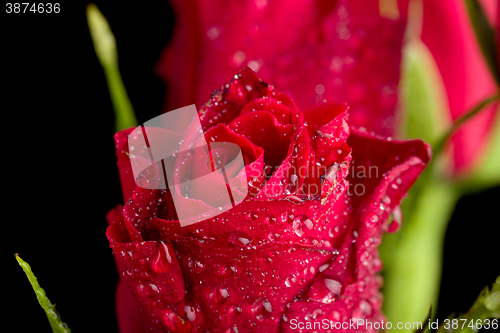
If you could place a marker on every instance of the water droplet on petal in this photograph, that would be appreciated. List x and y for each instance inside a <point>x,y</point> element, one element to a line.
<point>270,219</point>
<point>397,220</point>
<point>198,266</point>
<point>309,224</point>
<point>175,323</point>
<point>377,264</point>
<point>334,316</point>
<point>163,260</point>
<point>244,241</point>
<point>372,219</point>
<point>217,295</point>
<point>262,309</point>
<point>190,312</point>
<point>362,310</point>
<point>334,286</point>
<point>239,239</point>
<point>286,217</point>
<point>224,293</point>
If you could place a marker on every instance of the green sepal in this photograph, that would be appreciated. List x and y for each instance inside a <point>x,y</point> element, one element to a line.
<point>424,107</point>
<point>50,310</point>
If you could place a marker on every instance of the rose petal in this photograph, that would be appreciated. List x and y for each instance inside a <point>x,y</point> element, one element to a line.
<point>226,104</point>
<point>124,166</point>
<point>283,113</point>
<point>236,282</point>
<point>265,131</point>
<point>128,310</point>
<point>153,273</point>
<point>322,114</point>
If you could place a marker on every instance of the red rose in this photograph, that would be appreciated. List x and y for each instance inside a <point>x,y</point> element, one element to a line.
<point>302,247</point>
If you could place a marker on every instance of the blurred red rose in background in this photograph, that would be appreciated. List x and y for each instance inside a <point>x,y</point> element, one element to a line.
<point>339,51</point>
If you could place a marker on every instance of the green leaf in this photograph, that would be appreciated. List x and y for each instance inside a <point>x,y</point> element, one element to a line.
<point>423,94</point>
<point>50,310</point>
<point>485,36</point>
<point>486,306</point>
<point>105,49</point>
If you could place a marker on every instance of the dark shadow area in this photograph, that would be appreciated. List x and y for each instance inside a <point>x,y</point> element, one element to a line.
<point>471,252</point>
<point>58,160</point>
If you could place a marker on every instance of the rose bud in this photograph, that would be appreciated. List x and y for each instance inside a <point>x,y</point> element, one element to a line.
<point>302,245</point>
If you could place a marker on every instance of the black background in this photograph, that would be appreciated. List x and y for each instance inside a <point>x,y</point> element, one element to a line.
<point>60,176</point>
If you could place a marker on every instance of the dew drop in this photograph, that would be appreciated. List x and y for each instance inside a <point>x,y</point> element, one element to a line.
<point>309,224</point>
<point>372,219</point>
<point>323,267</point>
<point>262,309</point>
<point>244,241</point>
<point>270,219</point>
<point>198,267</point>
<point>163,260</point>
<point>224,293</point>
<point>239,239</point>
<point>334,286</point>
<point>175,323</point>
<point>334,316</point>
<point>397,220</point>
<point>286,217</point>
<point>377,264</point>
<point>217,295</point>
<point>362,310</point>
<point>190,312</point>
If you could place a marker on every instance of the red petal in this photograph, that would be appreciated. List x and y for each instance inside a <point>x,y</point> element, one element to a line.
<point>236,283</point>
<point>157,291</point>
<point>226,104</point>
<point>124,166</point>
<point>265,131</point>
<point>128,310</point>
